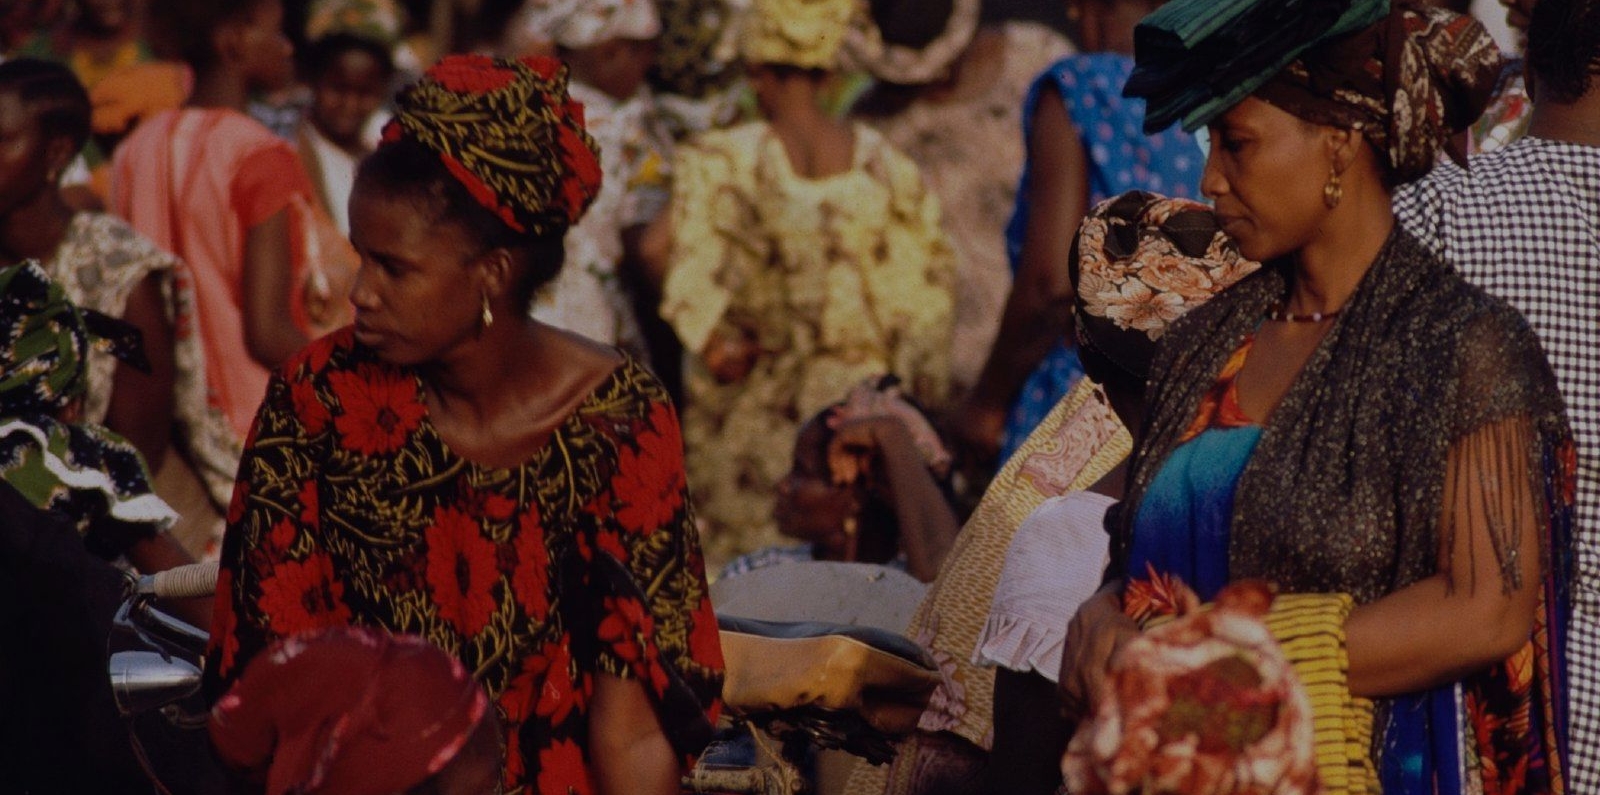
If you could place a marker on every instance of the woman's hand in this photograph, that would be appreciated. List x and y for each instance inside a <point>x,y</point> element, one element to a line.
<point>731,358</point>
<point>976,427</point>
<point>855,453</point>
<point>1097,632</point>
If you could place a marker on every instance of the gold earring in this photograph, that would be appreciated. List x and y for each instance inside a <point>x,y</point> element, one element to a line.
<point>488,316</point>
<point>1332,191</point>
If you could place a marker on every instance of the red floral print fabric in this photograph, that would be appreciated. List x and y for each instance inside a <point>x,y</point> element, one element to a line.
<point>583,561</point>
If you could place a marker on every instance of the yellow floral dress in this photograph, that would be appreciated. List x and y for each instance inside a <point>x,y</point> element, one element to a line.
<point>836,279</point>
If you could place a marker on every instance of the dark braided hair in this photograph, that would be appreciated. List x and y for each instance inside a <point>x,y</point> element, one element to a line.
<point>52,95</point>
<point>1564,47</point>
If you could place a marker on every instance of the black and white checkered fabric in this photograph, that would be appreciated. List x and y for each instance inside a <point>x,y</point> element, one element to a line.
<point>1524,224</point>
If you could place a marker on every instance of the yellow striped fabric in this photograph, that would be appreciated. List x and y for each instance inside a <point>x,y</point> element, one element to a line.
<point>1310,628</point>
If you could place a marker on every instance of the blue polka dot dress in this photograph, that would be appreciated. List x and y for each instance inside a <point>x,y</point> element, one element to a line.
<point>1121,158</point>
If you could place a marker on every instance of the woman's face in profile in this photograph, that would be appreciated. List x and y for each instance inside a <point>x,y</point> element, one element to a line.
<point>416,295</point>
<point>24,155</point>
<point>1265,174</point>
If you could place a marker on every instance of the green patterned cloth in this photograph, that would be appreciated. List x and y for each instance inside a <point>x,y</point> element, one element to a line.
<point>81,471</point>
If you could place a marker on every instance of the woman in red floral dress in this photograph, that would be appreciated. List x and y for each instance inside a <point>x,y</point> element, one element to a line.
<point>453,469</point>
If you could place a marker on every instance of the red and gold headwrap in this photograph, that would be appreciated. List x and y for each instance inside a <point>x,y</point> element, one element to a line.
<point>1407,83</point>
<point>510,133</point>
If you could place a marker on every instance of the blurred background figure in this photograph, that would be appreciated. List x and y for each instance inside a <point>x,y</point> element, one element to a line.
<point>102,264</point>
<point>1085,145</point>
<point>100,37</point>
<point>806,256</point>
<point>358,711</point>
<point>213,186</point>
<point>350,76</point>
<point>870,483</point>
<point>948,92</point>
<point>697,77</point>
<point>610,47</point>
<point>74,498</point>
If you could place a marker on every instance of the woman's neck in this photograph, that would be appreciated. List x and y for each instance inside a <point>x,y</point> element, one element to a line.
<point>220,87</point>
<point>799,108</point>
<point>473,381</point>
<point>1328,270</point>
<point>36,229</point>
<point>1576,122</point>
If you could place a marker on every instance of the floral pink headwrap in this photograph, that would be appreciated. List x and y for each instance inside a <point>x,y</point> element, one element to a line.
<point>1139,262</point>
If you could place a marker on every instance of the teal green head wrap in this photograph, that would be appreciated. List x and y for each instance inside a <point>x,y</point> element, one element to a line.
<point>1197,58</point>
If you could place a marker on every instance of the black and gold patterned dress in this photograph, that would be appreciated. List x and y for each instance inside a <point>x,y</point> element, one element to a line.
<point>350,508</point>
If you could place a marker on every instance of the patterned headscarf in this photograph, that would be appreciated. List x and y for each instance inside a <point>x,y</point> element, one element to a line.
<point>509,132</point>
<point>79,470</point>
<point>576,24</point>
<point>348,711</point>
<point>380,20</point>
<point>1139,262</point>
<point>803,33</point>
<point>883,397</point>
<point>866,44</point>
<point>1408,84</point>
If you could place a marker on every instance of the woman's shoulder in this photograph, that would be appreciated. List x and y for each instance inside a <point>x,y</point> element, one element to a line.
<point>336,353</point>
<point>1101,72</point>
<point>630,389</point>
<point>1440,290</point>
<point>116,242</point>
<point>740,139</point>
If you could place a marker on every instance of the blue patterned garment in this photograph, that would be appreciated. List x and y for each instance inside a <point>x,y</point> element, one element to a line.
<point>1121,158</point>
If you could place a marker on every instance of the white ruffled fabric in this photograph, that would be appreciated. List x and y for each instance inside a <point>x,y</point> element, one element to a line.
<point>1054,564</point>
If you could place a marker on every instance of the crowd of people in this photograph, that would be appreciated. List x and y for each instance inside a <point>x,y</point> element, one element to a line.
<point>393,308</point>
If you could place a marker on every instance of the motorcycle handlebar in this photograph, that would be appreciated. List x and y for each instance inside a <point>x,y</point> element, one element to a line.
<point>181,582</point>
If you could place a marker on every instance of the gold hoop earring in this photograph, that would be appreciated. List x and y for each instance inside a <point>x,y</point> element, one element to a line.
<point>1332,191</point>
<point>488,316</point>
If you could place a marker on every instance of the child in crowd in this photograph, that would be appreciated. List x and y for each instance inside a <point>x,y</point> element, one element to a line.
<point>349,76</point>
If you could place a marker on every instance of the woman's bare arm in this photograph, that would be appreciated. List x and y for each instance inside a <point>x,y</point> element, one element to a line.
<point>928,525</point>
<point>630,752</point>
<point>1471,614</point>
<point>1040,305</point>
<point>269,332</point>
<point>142,403</point>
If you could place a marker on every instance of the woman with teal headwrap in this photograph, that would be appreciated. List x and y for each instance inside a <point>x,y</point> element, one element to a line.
<point>1353,420</point>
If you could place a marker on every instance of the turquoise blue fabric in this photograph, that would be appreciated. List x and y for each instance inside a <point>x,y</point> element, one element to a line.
<point>1182,529</point>
<point>1182,525</point>
<point>1121,158</point>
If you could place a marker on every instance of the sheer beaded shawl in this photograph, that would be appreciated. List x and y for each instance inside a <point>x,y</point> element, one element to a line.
<point>1427,408</point>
